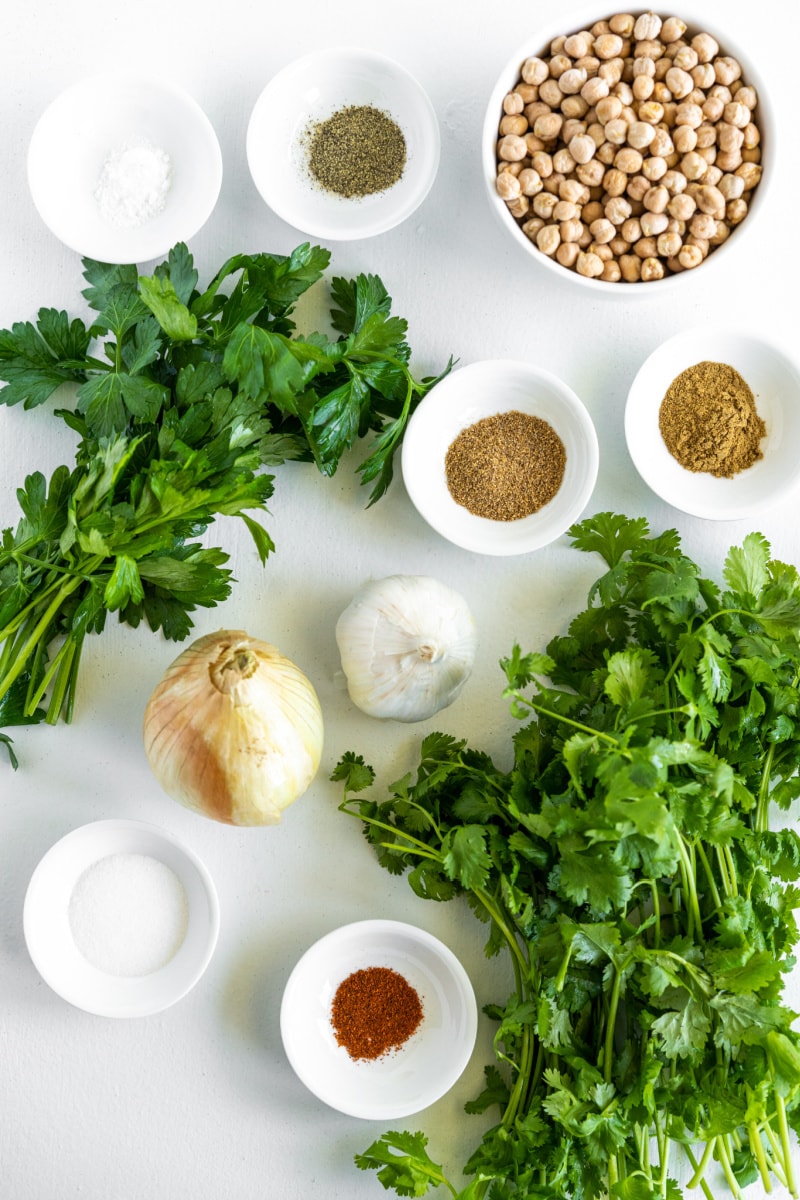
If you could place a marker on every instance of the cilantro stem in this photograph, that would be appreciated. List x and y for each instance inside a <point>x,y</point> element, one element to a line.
<point>564,720</point>
<point>712,884</point>
<point>688,876</point>
<point>611,1023</point>
<point>783,1129</point>
<point>698,1175</point>
<point>723,1158</point>
<point>757,1150</point>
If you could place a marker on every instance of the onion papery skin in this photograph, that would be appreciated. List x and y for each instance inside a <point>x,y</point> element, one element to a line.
<point>234,729</point>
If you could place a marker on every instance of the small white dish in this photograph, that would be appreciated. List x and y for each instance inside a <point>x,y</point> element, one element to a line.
<point>98,117</point>
<point>774,380</point>
<point>310,90</point>
<point>403,1081</point>
<point>49,936</point>
<point>480,390</point>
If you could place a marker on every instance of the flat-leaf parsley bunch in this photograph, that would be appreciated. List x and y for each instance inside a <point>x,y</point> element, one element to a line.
<point>183,396</point>
<point>627,865</point>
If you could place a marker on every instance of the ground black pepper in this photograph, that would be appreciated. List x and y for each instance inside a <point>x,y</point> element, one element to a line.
<point>505,467</point>
<point>709,421</point>
<point>357,151</point>
<point>374,1010</point>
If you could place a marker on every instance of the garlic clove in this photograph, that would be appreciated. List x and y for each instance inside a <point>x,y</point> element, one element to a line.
<point>407,645</point>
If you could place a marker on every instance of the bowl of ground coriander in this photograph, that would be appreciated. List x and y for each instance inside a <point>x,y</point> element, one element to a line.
<point>712,423</point>
<point>343,144</point>
<point>500,458</point>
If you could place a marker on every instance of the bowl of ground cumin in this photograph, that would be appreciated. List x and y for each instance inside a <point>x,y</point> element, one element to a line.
<point>712,423</point>
<point>343,144</point>
<point>378,1019</point>
<point>501,457</point>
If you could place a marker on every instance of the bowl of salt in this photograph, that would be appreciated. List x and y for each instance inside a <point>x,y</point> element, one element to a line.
<point>121,167</point>
<point>120,918</point>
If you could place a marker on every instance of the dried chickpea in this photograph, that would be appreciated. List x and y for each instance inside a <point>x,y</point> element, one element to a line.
<point>574,106</point>
<point>656,199</point>
<point>571,231</point>
<point>582,147</point>
<point>551,93</point>
<point>589,265</point>
<point>572,80</point>
<point>679,82</point>
<point>608,46</point>
<point>532,226</point>
<point>548,126</point>
<point>548,239</point>
<point>608,109</point>
<point>682,206</point>
<point>533,143</point>
<point>511,148</point>
<point>684,139</point>
<point>519,207</point>
<point>611,271</point>
<point>622,23</point>
<point>567,254</point>
<point>643,88</point>
<point>693,165</point>
<point>591,173</point>
<point>736,211</point>
<point>652,268</point>
<point>594,90</point>
<point>565,210</point>
<point>654,168</point>
<point>729,160</point>
<point>602,230</point>
<point>652,112</point>
<point>672,29</point>
<point>630,266</point>
<point>559,63</point>
<point>752,136</point>
<point>628,160</point>
<point>645,248</point>
<point>747,95</point>
<point>530,182</point>
<point>618,210</point>
<point>653,223</point>
<point>508,186</point>
<point>605,153</point>
<point>572,128</point>
<point>573,191</point>
<point>563,161</point>
<point>668,244</point>
<point>543,204</point>
<point>674,181</point>
<point>615,182</point>
<point>706,47</point>
<point>513,104</point>
<point>638,187</point>
<point>542,162</point>
<point>534,70</point>
<point>736,114</point>
<point>690,256</point>
<point>689,114</point>
<point>750,173</point>
<point>662,144</point>
<point>631,230</point>
<point>647,26</point>
<point>731,186</point>
<point>515,125</point>
<point>703,75</point>
<point>727,69</point>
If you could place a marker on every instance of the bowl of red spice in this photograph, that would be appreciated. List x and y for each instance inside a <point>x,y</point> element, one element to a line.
<point>343,144</point>
<point>712,423</point>
<point>501,457</point>
<point>378,1019</point>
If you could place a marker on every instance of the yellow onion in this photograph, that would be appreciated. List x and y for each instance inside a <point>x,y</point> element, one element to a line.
<point>234,729</point>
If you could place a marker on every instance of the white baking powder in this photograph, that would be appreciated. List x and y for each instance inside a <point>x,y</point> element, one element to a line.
<point>128,914</point>
<point>134,183</point>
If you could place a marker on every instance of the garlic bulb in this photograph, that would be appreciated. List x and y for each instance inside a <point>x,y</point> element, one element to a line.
<point>234,729</point>
<point>407,645</point>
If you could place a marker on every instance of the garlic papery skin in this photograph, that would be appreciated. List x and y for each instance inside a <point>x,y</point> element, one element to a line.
<point>234,729</point>
<point>407,645</point>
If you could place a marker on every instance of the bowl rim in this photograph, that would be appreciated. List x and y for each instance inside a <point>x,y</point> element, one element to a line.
<point>707,332</point>
<point>134,1000</point>
<point>389,214</point>
<point>534,44</point>
<point>141,243</point>
<point>453,967</point>
<point>510,367</point>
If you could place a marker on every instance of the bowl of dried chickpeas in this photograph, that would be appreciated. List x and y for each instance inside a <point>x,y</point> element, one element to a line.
<point>629,149</point>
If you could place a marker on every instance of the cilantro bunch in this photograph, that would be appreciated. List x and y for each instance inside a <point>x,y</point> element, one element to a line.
<point>627,865</point>
<point>183,396</point>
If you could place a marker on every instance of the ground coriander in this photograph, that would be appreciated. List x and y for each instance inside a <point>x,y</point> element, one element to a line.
<point>709,421</point>
<point>357,151</point>
<point>505,467</point>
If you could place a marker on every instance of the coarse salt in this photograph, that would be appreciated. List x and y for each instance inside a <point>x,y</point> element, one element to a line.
<point>128,914</point>
<point>133,184</point>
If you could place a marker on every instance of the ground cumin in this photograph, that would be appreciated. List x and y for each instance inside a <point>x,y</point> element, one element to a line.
<point>374,1010</point>
<point>505,467</point>
<point>709,421</point>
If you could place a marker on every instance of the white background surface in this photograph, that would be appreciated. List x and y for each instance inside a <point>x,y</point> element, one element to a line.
<point>200,1102</point>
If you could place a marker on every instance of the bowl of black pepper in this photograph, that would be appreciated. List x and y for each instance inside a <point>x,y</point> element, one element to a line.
<point>343,144</point>
<point>712,423</point>
<point>378,1019</point>
<point>501,457</point>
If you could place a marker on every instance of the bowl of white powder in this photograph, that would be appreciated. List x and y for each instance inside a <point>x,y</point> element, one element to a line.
<point>121,168</point>
<point>120,918</point>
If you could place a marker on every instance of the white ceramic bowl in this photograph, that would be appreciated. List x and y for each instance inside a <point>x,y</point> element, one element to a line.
<point>104,114</point>
<point>49,934</point>
<point>773,378</point>
<point>403,1081</point>
<point>538,43</point>
<point>480,390</point>
<point>310,90</point>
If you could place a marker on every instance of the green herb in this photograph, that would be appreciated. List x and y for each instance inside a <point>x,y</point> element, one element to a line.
<point>183,396</point>
<point>626,865</point>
